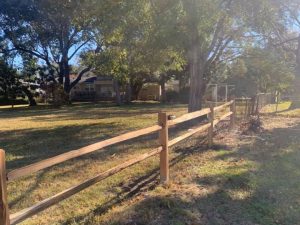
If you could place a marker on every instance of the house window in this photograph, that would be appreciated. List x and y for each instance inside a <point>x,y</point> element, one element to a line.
<point>107,90</point>
<point>89,87</point>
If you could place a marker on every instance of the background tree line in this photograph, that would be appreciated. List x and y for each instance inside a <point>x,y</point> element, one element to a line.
<point>253,44</point>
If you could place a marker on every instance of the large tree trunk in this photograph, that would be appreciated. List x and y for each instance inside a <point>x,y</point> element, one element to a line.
<point>296,84</point>
<point>61,73</point>
<point>30,97</point>
<point>195,62</point>
<point>118,95</point>
<point>64,80</point>
<point>196,79</point>
<point>298,58</point>
<point>128,93</point>
<point>136,87</point>
<point>66,73</point>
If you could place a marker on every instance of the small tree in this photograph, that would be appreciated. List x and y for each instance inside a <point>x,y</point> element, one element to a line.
<point>10,86</point>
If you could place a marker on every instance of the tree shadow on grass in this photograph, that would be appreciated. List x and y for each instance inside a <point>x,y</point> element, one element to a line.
<point>108,112</point>
<point>130,189</point>
<point>51,145</point>
<point>265,192</point>
<point>28,146</point>
<point>272,182</point>
<point>29,190</point>
<point>85,111</point>
<point>32,145</point>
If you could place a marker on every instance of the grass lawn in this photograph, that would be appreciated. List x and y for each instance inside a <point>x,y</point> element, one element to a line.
<point>243,180</point>
<point>281,108</point>
<point>284,109</point>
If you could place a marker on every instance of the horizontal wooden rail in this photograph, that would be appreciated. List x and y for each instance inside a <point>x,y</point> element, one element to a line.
<point>188,134</point>
<point>218,108</point>
<point>242,99</point>
<point>33,210</point>
<point>189,116</point>
<point>200,129</point>
<point>26,170</point>
<point>216,121</point>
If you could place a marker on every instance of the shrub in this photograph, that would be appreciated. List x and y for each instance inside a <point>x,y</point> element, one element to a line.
<point>255,124</point>
<point>172,96</point>
<point>18,101</point>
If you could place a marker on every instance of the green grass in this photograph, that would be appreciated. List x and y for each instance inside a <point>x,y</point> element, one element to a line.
<point>282,107</point>
<point>240,181</point>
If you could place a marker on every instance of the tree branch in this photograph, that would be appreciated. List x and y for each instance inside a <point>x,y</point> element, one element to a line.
<point>78,48</point>
<point>215,35</point>
<point>78,78</point>
<point>219,51</point>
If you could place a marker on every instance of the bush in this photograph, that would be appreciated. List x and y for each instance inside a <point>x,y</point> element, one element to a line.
<point>172,96</point>
<point>178,97</point>
<point>18,101</point>
<point>255,124</point>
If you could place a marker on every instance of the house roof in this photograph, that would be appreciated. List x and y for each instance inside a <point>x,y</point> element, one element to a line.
<point>90,80</point>
<point>89,77</point>
<point>84,78</point>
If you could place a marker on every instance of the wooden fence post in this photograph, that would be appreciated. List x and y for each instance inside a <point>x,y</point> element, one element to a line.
<point>233,115</point>
<point>257,104</point>
<point>211,128</point>
<point>246,110</point>
<point>4,214</point>
<point>249,108</point>
<point>252,106</point>
<point>164,154</point>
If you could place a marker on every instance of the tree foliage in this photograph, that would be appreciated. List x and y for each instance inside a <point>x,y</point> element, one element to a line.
<point>260,70</point>
<point>141,41</point>
<point>52,31</point>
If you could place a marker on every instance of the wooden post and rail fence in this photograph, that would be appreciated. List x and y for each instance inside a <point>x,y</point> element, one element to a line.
<point>254,106</point>
<point>164,143</point>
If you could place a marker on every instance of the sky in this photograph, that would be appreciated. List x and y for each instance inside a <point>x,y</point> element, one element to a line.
<point>17,63</point>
